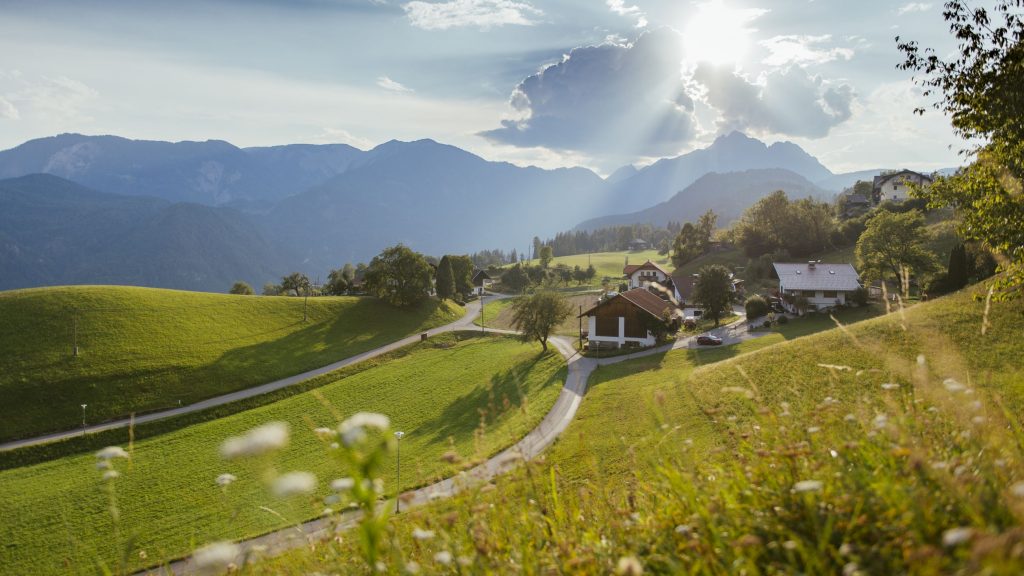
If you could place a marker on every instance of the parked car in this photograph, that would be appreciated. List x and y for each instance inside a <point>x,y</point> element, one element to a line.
<point>709,340</point>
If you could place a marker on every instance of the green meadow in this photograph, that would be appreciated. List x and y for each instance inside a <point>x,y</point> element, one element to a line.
<point>143,349</point>
<point>460,396</point>
<point>889,445</point>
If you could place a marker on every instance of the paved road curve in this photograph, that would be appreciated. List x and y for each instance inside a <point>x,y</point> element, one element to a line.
<point>464,323</point>
<point>536,441</point>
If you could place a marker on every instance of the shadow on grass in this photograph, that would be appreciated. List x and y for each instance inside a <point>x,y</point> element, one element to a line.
<point>485,406</point>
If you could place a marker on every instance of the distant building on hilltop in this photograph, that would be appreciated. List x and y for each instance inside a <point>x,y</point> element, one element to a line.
<point>894,186</point>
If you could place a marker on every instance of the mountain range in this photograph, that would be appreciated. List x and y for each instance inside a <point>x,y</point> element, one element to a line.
<point>200,215</point>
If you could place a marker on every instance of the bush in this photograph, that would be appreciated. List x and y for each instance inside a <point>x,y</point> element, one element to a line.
<point>241,288</point>
<point>782,320</point>
<point>756,306</point>
<point>767,324</point>
<point>860,296</point>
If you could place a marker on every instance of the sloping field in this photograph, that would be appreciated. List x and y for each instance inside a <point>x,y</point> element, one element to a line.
<point>143,349</point>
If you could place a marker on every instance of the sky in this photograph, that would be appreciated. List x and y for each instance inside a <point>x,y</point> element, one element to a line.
<point>595,83</point>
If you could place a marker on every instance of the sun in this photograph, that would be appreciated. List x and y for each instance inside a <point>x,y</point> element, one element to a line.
<point>717,34</point>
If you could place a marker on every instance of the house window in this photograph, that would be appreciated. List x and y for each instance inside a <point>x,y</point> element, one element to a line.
<point>810,293</point>
<point>831,294</point>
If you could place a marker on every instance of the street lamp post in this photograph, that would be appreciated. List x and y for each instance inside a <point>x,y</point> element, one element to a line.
<point>83,418</point>
<point>398,487</point>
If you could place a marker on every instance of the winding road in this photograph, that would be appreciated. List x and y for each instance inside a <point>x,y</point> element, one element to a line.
<point>530,446</point>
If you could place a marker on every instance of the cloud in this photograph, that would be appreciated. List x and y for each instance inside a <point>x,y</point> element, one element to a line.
<point>619,7</point>
<point>912,7</point>
<point>392,86</point>
<point>8,110</point>
<point>802,50</point>
<point>613,99</point>
<point>784,101</point>
<point>477,13</point>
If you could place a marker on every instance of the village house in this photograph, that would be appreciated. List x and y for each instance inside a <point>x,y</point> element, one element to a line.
<point>482,281</point>
<point>642,275</point>
<point>624,319</point>
<point>895,186</point>
<point>638,245</point>
<point>683,287</point>
<point>824,285</point>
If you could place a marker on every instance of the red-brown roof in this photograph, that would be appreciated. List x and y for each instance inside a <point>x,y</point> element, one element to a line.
<point>642,298</point>
<point>630,268</point>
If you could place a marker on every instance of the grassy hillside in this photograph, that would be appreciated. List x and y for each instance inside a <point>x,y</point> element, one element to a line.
<point>894,445</point>
<point>499,315</point>
<point>56,517</point>
<point>144,349</point>
<point>610,263</point>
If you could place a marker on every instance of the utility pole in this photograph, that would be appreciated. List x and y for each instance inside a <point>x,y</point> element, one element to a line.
<point>74,334</point>
<point>581,328</point>
<point>83,418</point>
<point>398,487</point>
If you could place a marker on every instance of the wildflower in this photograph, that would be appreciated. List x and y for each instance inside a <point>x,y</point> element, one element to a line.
<point>323,432</point>
<point>833,453</point>
<point>1017,489</point>
<point>851,569</point>
<point>443,557</point>
<point>353,436</point>
<point>111,452</point>
<point>259,440</point>
<point>956,536</point>
<point>103,465</point>
<point>342,484</point>
<point>683,529</point>
<point>216,556</point>
<point>890,386</point>
<point>813,430</point>
<point>920,360</point>
<point>850,418</point>
<point>412,567</point>
<point>629,566</point>
<point>807,486</point>
<point>294,483</point>
<point>953,386</point>
<point>225,479</point>
<point>420,534</point>
<point>789,545</point>
<point>881,421</point>
<point>366,420</point>
<point>111,474</point>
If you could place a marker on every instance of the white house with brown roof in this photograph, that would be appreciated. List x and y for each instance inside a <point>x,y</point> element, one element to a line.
<point>642,275</point>
<point>824,285</point>
<point>622,319</point>
<point>895,186</point>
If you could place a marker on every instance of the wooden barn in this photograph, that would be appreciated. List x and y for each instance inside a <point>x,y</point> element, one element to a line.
<point>623,319</point>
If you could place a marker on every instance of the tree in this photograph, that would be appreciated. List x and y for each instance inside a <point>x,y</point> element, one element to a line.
<point>535,316</point>
<point>242,288</point>
<point>956,271</point>
<point>713,291</point>
<point>515,279</point>
<point>893,246</point>
<point>590,272</point>
<point>296,282</point>
<point>444,283</point>
<point>773,223</point>
<point>271,289</point>
<point>348,273</point>
<point>693,240</point>
<point>462,274</point>
<point>546,256</point>
<point>336,284</point>
<point>979,89</point>
<point>399,276</point>
<point>756,306</point>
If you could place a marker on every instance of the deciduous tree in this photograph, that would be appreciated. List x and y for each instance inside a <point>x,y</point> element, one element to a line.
<point>242,288</point>
<point>536,315</point>
<point>444,282</point>
<point>713,291</point>
<point>399,276</point>
<point>893,246</point>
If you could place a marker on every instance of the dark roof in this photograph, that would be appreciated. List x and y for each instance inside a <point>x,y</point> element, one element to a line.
<point>630,268</point>
<point>857,199</point>
<point>642,298</point>
<point>684,284</point>
<point>481,274</point>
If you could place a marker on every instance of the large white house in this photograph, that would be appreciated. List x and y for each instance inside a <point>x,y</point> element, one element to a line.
<point>642,275</point>
<point>895,186</point>
<point>824,285</point>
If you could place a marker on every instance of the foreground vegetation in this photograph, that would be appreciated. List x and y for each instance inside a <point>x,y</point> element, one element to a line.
<point>143,349</point>
<point>893,445</point>
<point>56,517</point>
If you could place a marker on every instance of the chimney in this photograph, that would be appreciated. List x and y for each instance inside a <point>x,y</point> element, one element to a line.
<point>810,264</point>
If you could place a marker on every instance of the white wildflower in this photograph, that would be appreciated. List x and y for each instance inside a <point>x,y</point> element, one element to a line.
<point>881,421</point>
<point>920,360</point>
<point>216,556</point>
<point>807,486</point>
<point>412,567</point>
<point>103,465</point>
<point>294,483</point>
<point>365,420</point>
<point>443,557</point>
<point>851,569</point>
<point>334,446</point>
<point>629,566</point>
<point>789,545</point>
<point>225,479</point>
<point>353,436</point>
<point>1017,489</point>
<point>833,453</point>
<point>111,474</point>
<point>342,484</point>
<point>259,440</point>
<point>111,452</point>
<point>956,536</point>
<point>953,386</point>
<point>323,432</point>
<point>813,430</point>
<point>850,418</point>
<point>890,386</point>
<point>683,529</point>
<point>421,534</point>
